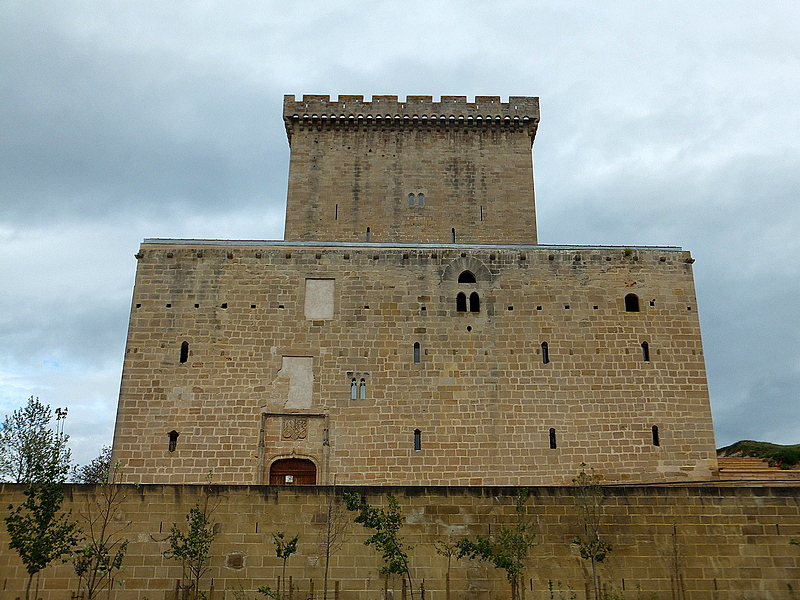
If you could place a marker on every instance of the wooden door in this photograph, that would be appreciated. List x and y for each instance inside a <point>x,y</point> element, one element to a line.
<point>293,471</point>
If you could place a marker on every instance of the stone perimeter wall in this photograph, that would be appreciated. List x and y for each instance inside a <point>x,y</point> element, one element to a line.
<point>669,543</point>
<point>276,336</point>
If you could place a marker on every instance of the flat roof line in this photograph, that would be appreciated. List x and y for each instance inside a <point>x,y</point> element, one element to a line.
<point>399,245</point>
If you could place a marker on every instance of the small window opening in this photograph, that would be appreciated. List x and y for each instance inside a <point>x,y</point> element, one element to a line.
<point>184,351</point>
<point>411,199</point>
<point>545,353</point>
<point>645,351</point>
<point>417,440</point>
<point>336,213</point>
<point>481,213</point>
<point>173,440</point>
<point>631,303</point>
<point>369,234</point>
<point>474,302</point>
<point>421,199</point>
<point>353,390</point>
<point>466,277</point>
<point>461,302</point>
<point>553,444</point>
<point>417,353</point>
<point>656,439</point>
<point>453,234</point>
<point>362,389</point>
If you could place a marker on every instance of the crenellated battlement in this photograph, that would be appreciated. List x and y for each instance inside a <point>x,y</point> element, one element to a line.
<point>388,110</point>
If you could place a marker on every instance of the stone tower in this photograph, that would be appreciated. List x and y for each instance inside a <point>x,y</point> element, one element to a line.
<point>410,330</point>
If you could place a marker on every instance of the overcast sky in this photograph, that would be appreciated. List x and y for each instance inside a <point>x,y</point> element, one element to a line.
<point>663,123</point>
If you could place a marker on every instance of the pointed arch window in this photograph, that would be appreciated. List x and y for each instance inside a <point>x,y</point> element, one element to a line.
<point>474,302</point>
<point>353,390</point>
<point>362,389</point>
<point>417,353</point>
<point>420,199</point>
<point>461,302</point>
<point>411,199</point>
<point>631,303</point>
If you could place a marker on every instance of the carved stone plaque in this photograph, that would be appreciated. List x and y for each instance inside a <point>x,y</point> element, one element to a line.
<point>294,428</point>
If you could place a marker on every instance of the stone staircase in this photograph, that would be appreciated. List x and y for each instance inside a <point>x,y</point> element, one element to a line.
<point>749,468</point>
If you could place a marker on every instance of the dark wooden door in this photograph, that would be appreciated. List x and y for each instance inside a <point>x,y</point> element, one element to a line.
<point>293,471</point>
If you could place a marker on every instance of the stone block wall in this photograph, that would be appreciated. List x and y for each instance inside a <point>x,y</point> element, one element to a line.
<point>358,359</point>
<point>683,543</point>
<point>413,171</point>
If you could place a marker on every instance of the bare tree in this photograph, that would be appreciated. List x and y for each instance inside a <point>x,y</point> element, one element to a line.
<point>589,496</point>
<point>334,534</point>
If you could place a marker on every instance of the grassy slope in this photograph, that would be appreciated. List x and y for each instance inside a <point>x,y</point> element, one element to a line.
<point>787,457</point>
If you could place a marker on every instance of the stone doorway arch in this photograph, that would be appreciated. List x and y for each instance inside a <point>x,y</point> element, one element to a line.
<point>293,471</point>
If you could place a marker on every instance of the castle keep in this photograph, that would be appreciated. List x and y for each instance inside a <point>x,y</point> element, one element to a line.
<point>410,330</point>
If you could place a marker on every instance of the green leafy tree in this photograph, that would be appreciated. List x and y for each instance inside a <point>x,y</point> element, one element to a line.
<point>509,548</point>
<point>589,496</point>
<point>193,549</point>
<point>38,533</point>
<point>284,548</point>
<point>386,539</point>
<point>100,556</point>
<point>97,471</point>
<point>31,449</point>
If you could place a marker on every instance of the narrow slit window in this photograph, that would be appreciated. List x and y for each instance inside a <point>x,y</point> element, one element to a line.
<point>631,303</point>
<point>369,234</point>
<point>656,438</point>
<point>474,302</point>
<point>411,199</point>
<point>453,234</point>
<point>461,302</point>
<point>420,199</point>
<point>173,440</point>
<point>336,213</point>
<point>545,353</point>
<point>417,440</point>
<point>645,352</point>
<point>353,390</point>
<point>362,389</point>
<point>184,352</point>
<point>417,353</point>
<point>553,444</point>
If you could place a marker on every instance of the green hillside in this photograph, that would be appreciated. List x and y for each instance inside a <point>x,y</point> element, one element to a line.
<point>787,457</point>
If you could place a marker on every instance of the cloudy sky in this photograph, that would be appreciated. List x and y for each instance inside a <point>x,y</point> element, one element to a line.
<point>663,123</point>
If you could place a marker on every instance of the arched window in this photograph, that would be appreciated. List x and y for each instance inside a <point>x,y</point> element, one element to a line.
<point>353,390</point>
<point>421,199</point>
<point>656,439</point>
<point>474,302</point>
<point>645,352</point>
<point>631,303</point>
<point>417,353</point>
<point>173,440</point>
<point>461,302</point>
<point>411,199</point>
<point>553,444</point>
<point>184,352</point>
<point>545,353</point>
<point>417,440</point>
<point>466,277</point>
<point>362,389</point>
<point>369,234</point>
